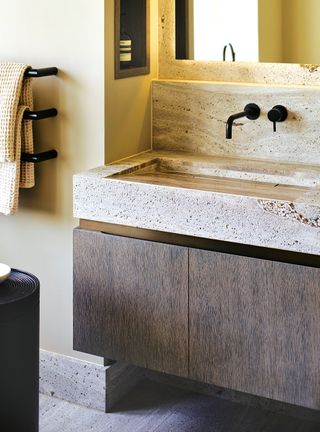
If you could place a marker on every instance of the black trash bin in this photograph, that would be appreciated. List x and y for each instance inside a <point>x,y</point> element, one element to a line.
<point>19,353</point>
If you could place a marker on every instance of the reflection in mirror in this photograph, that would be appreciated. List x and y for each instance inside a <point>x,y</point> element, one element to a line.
<point>277,31</point>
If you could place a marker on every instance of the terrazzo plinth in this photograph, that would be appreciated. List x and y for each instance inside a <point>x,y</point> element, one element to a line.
<point>73,380</point>
<point>83,383</point>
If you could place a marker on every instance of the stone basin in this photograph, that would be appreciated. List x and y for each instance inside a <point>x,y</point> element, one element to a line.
<point>226,175</point>
<point>254,202</point>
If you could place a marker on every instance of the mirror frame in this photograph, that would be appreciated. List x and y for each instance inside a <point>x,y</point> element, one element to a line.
<point>239,72</point>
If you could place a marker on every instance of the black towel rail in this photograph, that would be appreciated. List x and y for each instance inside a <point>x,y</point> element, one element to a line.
<point>39,115</point>
<point>38,73</point>
<point>39,157</point>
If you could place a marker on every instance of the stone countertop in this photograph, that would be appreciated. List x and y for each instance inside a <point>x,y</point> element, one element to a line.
<point>255,219</point>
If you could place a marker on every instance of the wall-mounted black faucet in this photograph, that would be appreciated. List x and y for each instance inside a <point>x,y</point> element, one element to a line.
<point>251,111</point>
<point>279,113</point>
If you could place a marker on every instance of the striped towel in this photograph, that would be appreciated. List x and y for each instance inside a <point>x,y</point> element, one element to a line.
<point>15,135</point>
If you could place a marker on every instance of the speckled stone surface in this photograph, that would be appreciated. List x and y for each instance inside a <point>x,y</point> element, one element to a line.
<point>271,73</point>
<point>200,213</point>
<point>84,383</point>
<point>301,213</point>
<point>191,116</point>
<point>73,380</point>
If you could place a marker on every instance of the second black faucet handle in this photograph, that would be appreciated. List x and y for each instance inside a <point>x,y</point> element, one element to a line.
<point>279,113</point>
<point>253,111</point>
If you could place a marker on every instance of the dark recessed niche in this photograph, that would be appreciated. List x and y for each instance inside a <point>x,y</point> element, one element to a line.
<point>131,38</point>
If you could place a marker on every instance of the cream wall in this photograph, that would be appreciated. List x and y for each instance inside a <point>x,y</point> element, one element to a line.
<point>271,30</point>
<point>128,101</point>
<point>289,31</point>
<point>70,35</point>
<point>301,31</point>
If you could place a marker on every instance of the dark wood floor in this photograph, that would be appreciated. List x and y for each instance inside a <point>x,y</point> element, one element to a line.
<point>154,407</point>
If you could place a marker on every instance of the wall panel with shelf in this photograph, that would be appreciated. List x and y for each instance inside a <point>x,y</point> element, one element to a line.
<point>132,40</point>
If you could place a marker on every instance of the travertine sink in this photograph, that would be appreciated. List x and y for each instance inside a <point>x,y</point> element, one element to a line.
<point>226,175</point>
<point>268,204</point>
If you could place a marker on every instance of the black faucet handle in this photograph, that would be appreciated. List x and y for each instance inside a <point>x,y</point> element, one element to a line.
<point>253,111</point>
<point>279,113</point>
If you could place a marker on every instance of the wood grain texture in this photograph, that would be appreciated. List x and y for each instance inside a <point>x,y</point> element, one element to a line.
<point>131,301</point>
<point>255,326</point>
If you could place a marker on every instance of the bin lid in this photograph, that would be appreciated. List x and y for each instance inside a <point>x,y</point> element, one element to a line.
<point>17,293</point>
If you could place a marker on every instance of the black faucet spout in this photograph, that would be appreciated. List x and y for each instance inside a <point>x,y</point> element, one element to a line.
<point>230,121</point>
<point>251,111</point>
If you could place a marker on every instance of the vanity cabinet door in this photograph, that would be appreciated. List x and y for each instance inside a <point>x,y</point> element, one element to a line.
<point>255,326</point>
<point>131,301</point>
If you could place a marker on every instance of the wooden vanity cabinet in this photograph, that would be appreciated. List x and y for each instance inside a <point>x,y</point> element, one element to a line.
<point>131,301</point>
<point>255,326</point>
<point>243,323</point>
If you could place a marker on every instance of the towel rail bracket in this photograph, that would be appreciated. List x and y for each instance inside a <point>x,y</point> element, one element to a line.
<point>40,115</point>
<point>38,73</point>
<point>39,157</point>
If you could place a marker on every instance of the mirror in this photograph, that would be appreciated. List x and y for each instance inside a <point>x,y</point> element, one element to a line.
<point>276,31</point>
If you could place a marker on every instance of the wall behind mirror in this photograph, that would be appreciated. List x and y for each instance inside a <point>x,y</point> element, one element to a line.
<point>276,31</point>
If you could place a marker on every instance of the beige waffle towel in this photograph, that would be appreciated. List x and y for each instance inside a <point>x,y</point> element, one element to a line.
<point>15,135</point>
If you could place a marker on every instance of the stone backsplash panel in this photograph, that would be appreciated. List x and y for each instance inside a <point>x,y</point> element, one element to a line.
<point>191,116</point>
